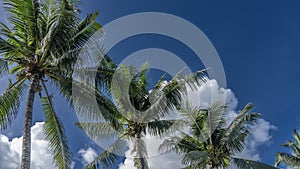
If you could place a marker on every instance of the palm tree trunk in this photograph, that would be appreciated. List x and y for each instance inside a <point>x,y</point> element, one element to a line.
<point>26,144</point>
<point>139,155</point>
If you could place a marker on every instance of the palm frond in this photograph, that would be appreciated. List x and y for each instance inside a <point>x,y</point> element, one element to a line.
<point>109,156</point>
<point>237,120</point>
<point>162,127</point>
<point>12,45</point>
<point>17,69</point>
<point>238,129</point>
<point>101,75</point>
<point>296,146</point>
<point>182,144</point>
<point>105,74</point>
<point>170,144</point>
<point>236,139</point>
<point>98,130</point>
<point>24,19</point>
<point>60,31</point>
<point>86,109</point>
<point>83,47</point>
<point>210,142</point>
<point>297,137</point>
<point>196,158</point>
<point>55,134</point>
<point>9,49</point>
<point>288,159</point>
<point>163,99</point>
<point>154,104</point>
<point>236,142</point>
<point>10,102</point>
<point>3,68</point>
<point>195,80</point>
<point>44,16</point>
<point>127,97</point>
<point>293,146</point>
<point>168,96</point>
<point>191,115</point>
<point>214,118</point>
<point>250,164</point>
<point>86,28</point>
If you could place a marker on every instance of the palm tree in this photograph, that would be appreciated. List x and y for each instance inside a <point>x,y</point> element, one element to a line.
<point>137,115</point>
<point>292,160</point>
<point>42,44</point>
<point>211,142</point>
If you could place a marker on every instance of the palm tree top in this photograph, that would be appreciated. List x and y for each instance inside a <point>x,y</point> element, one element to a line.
<point>139,112</point>
<point>212,142</point>
<point>41,45</point>
<point>293,159</point>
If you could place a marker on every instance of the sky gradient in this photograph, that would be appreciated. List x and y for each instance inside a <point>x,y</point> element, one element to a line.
<point>258,43</point>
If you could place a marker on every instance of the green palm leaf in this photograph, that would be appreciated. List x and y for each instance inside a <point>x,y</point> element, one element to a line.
<point>249,164</point>
<point>24,19</point>
<point>97,131</point>
<point>13,44</point>
<point>288,159</point>
<point>290,144</point>
<point>170,144</point>
<point>196,158</point>
<point>9,49</point>
<point>110,155</point>
<point>180,144</point>
<point>238,129</point>
<point>42,42</point>
<point>222,143</point>
<point>10,102</point>
<point>3,68</point>
<point>55,134</point>
<point>60,30</point>
<point>292,160</point>
<point>86,28</point>
<point>86,109</point>
<point>162,127</point>
<point>191,115</point>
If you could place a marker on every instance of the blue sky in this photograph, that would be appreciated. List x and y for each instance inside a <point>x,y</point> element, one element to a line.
<point>258,44</point>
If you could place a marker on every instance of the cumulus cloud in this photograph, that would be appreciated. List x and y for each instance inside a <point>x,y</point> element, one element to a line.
<point>10,155</point>
<point>211,92</point>
<point>41,156</point>
<point>156,160</point>
<point>205,96</point>
<point>259,136</point>
<point>88,155</point>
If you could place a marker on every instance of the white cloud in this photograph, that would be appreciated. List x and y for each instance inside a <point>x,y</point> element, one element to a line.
<point>208,94</point>
<point>41,157</point>
<point>128,163</point>
<point>260,135</point>
<point>9,158</point>
<point>88,155</point>
<point>156,160</point>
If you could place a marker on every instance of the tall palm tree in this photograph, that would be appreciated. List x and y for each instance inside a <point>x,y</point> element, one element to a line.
<point>213,147</point>
<point>41,45</point>
<point>292,160</point>
<point>138,114</point>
